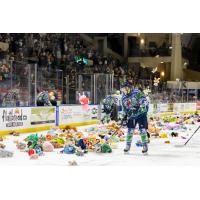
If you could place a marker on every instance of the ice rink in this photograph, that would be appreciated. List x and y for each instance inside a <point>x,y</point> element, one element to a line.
<point>159,154</point>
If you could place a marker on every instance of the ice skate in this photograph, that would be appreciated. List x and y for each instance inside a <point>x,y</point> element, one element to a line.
<point>145,149</point>
<point>127,149</point>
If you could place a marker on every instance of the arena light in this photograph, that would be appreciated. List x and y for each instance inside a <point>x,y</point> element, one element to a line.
<point>142,41</point>
<point>162,74</point>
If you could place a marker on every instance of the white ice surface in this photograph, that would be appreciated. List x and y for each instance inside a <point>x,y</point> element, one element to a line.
<point>159,154</point>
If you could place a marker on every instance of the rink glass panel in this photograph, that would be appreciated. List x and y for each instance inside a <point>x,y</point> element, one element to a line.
<point>103,86</point>
<point>5,81</point>
<point>85,85</point>
<point>181,91</point>
<point>94,86</point>
<point>17,84</point>
<point>50,80</point>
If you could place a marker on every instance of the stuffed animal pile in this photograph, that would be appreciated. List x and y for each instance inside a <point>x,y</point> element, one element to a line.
<point>99,139</point>
<point>103,138</point>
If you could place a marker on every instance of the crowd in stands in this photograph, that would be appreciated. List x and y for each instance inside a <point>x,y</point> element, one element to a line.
<point>69,53</point>
<point>58,51</point>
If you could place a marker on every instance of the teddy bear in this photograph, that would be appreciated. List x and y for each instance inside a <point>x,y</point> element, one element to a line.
<point>34,157</point>
<point>33,154</point>
<point>173,134</point>
<point>79,152</point>
<point>68,149</point>
<point>152,129</point>
<point>88,144</point>
<point>98,148</point>
<point>14,133</point>
<point>49,137</point>
<point>82,145</point>
<point>68,128</point>
<point>72,163</point>
<point>47,146</point>
<point>5,153</point>
<point>103,148</point>
<point>58,142</point>
<point>21,146</point>
<point>2,146</point>
<point>56,145</point>
<point>69,136</point>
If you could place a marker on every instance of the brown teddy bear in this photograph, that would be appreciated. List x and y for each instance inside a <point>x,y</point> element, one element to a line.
<point>2,146</point>
<point>153,131</point>
<point>14,133</point>
<point>56,145</point>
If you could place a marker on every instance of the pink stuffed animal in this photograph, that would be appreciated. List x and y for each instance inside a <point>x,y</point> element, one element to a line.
<point>34,156</point>
<point>47,146</point>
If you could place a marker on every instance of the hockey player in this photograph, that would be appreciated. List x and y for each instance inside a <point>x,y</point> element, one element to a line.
<point>135,108</point>
<point>110,108</point>
<point>11,99</point>
<point>43,99</point>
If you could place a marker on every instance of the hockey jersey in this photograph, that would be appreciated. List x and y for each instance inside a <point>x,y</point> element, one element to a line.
<point>44,97</point>
<point>134,104</point>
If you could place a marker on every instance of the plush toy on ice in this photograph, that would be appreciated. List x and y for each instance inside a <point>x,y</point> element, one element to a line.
<point>34,145</point>
<point>14,133</point>
<point>69,149</point>
<point>2,146</point>
<point>58,142</point>
<point>34,141</point>
<point>21,146</point>
<point>5,153</point>
<point>103,148</point>
<point>47,146</point>
<point>82,145</point>
<point>152,129</point>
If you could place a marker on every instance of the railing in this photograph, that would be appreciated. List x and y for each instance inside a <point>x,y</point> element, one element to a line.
<point>150,52</point>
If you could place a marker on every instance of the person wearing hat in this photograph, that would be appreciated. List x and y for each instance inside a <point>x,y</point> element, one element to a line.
<point>135,108</point>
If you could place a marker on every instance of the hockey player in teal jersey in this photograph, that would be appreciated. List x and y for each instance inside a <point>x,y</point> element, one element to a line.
<point>135,108</point>
<point>43,99</point>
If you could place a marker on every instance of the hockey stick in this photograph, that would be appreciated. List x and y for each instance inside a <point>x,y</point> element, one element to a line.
<point>188,139</point>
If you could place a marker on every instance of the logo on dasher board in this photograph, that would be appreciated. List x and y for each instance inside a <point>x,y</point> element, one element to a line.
<point>14,117</point>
